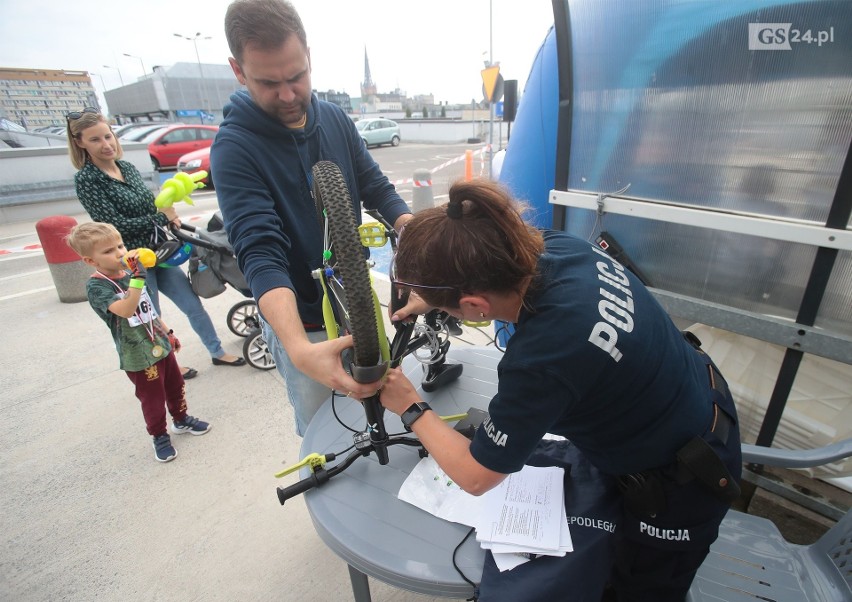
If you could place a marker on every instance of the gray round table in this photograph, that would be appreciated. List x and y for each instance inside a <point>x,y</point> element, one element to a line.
<point>357,513</point>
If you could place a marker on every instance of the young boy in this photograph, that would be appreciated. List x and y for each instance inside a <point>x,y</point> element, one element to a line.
<point>144,343</point>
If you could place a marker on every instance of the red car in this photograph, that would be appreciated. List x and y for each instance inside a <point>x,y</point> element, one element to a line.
<point>196,161</point>
<point>168,145</point>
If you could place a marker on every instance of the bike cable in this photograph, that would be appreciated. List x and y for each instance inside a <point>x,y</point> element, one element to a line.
<point>503,328</point>
<point>334,396</point>
<point>475,596</point>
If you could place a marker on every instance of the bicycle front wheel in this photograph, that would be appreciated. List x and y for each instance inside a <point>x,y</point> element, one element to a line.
<point>333,199</point>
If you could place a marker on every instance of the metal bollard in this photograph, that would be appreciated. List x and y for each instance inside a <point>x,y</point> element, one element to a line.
<point>67,269</point>
<point>422,197</point>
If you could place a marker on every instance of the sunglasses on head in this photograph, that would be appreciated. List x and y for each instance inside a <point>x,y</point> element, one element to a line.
<point>73,115</point>
<point>397,282</point>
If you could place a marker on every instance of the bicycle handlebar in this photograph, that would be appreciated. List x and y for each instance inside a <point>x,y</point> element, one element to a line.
<point>316,478</point>
<point>322,475</point>
<point>299,487</point>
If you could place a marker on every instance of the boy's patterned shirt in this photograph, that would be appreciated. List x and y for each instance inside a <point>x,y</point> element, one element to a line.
<point>133,343</point>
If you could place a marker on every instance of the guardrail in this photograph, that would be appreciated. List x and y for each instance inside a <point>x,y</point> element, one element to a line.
<point>39,182</point>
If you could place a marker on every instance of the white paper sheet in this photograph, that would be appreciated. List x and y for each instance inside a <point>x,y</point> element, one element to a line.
<point>523,516</point>
<point>526,509</point>
<point>430,489</point>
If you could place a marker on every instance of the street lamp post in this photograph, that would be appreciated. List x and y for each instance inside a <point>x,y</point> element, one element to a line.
<point>121,79</point>
<point>100,77</point>
<point>490,100</point>
<point>140,61</point>
<point>103,86</point>
<point>202,82</point>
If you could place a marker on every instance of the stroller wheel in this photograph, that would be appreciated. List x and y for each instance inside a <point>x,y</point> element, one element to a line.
<point>243,318</point>
<point>256,352</point>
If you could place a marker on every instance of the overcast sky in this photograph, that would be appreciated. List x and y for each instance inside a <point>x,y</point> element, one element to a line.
<point>419,46</point>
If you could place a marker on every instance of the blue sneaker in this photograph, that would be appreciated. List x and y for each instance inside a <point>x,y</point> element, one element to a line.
<point>163,450</point>
<point>191,425</point>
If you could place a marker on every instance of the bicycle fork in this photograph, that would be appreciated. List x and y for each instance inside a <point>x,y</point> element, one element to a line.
<point>376,428</point>
<point>376,436</point>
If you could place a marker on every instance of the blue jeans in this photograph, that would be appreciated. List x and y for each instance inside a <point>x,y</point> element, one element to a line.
<point>175,285</point>
<point>306,394</point>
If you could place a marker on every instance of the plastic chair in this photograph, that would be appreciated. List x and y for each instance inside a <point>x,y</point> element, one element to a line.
<point>751,561</point>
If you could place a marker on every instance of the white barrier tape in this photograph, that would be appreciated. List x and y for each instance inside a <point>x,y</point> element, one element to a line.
<point>481,151</point>
<point>459,158</point>
<point>24,249</point>
<point>482,164</point>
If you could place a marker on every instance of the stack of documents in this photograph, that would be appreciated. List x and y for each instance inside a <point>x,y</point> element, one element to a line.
<point>520,519</point>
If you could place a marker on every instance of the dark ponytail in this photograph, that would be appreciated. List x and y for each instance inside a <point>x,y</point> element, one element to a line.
<point>478,242</point>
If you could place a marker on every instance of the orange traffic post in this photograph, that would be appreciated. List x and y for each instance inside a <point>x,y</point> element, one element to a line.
<point>468,165</point>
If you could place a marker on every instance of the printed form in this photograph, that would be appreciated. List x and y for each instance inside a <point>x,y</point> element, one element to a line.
<point>526,511</point>
<point>521,518</point>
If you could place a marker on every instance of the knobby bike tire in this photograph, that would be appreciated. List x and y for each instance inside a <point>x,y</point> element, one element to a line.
<point>332,195</point>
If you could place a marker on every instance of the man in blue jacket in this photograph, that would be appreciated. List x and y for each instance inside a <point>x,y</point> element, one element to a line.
<point>271,136</point>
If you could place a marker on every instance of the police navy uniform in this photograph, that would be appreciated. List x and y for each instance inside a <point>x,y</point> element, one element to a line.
<point>593,512</point>
<point>596,359</point>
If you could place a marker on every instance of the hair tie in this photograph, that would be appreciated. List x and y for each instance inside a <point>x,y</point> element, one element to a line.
<point>454,210</point>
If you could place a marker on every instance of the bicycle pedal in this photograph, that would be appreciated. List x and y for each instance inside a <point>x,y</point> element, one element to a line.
<point>373,234</point>
<point>454,327</point>
<point>438,375</point>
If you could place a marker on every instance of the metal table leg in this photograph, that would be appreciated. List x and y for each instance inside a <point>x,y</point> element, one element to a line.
<point>360,585</point>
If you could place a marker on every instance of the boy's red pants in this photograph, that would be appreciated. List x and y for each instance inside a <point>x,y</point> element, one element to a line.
<point>159,387</point>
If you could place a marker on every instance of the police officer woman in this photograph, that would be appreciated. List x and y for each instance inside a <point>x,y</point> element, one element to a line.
<point>594,358</point>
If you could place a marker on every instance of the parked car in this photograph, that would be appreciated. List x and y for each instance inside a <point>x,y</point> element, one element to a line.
<point>170,144</point>
<point>377,131</point>
<point>57,130</point>
<point>196,161</point>
<point>126,128</point>
<point>138,134</point>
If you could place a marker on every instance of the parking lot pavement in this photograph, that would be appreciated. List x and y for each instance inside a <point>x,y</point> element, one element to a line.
<point>87,514</point>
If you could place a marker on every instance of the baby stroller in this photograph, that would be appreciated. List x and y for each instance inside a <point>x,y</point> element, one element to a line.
<point>212,266</point>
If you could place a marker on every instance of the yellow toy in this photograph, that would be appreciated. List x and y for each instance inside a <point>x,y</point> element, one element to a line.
<point>177,189</point>
<point>147,257</point>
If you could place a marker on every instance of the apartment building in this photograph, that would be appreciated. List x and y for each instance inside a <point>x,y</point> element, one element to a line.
<point>38,98</point>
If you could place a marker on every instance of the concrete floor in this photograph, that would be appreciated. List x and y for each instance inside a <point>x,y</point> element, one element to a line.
<point>87,514</point>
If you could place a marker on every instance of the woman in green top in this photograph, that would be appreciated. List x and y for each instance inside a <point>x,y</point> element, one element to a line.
<point>113,191</point>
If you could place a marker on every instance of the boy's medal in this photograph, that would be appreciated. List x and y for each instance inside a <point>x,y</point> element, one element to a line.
<point>156,350</point>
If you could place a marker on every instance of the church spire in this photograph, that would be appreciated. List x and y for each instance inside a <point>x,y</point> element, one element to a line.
<point>368,80</point>
<point>368,88</point>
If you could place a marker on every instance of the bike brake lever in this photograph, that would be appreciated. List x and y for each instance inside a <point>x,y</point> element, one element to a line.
<point>313,460</point>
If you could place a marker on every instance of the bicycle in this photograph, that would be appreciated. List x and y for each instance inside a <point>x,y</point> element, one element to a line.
<point>351,306</point>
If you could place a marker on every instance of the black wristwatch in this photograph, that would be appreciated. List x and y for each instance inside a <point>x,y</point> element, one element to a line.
<point>415,411</point>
